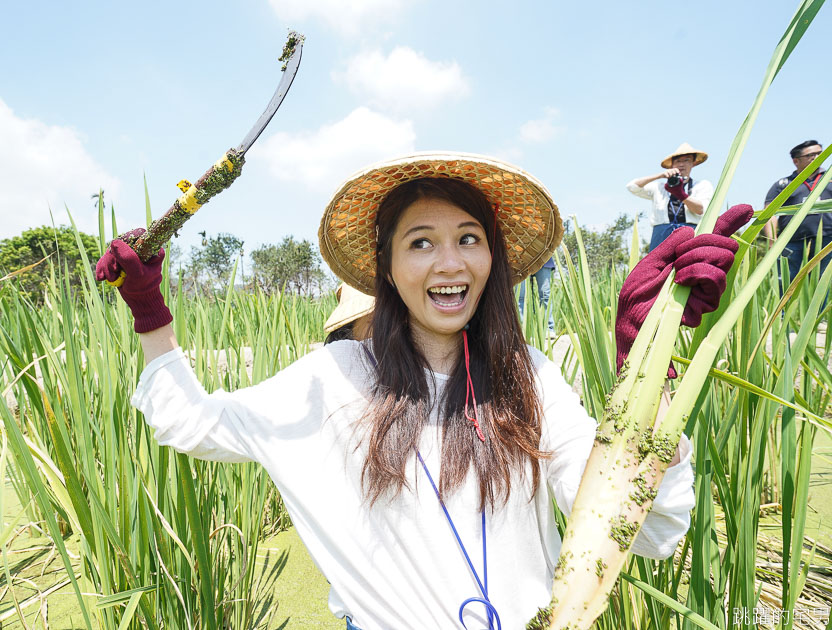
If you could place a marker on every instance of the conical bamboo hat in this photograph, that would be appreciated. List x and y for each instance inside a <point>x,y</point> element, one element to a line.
<point>685,149</point>
<point>528,218</point>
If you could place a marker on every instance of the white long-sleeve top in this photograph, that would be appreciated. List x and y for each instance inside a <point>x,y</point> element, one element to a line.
<point>702,191</point>
<point>396,565</point>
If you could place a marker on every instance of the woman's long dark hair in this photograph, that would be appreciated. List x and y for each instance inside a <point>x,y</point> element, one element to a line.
<point>501,370</point>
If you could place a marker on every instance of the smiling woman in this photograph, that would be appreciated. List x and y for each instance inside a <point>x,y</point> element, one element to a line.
<point>443,434</point>
<point>439,263</point>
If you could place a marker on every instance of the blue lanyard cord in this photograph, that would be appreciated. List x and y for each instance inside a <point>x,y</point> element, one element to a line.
<point>489,607</point>
<point>492,612</point>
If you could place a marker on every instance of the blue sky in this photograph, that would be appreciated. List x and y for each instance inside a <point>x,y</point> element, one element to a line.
<point>583,96</point>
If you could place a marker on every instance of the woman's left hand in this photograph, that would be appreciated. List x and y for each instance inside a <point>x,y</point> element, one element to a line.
<point>701,263</point>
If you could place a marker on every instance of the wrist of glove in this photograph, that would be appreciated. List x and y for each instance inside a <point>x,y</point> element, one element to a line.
<point>677,191</point>
<point>140,288</point>
<point>700,262</point>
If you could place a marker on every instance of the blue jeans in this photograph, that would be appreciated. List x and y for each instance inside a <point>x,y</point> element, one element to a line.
<point>350,625</point>
<point>794,252</point>
<point>544,283</point>
<point>663,230</point>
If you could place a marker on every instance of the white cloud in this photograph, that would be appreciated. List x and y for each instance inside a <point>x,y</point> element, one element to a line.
<point>324,158</point>
<point>541,129</point>
<point>46,165</point>
<point>403,81</point>
<point>348,17</point>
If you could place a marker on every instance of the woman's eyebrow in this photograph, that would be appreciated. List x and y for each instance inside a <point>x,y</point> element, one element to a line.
<point>417,228</point>
<point>464,224</point>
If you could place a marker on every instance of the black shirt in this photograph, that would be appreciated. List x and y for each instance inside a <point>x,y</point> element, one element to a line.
<point>809,228</point>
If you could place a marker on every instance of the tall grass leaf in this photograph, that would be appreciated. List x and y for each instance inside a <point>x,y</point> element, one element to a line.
<point>23,270</point>
<point>688,615</point>
<point>787,295</point>
<point>578,597</point>
<point>800,22</point>
<point>635,246</point>
<point>788,455</point>
<point>736,381</point>
<point>199,540</point>
<point>27,467</point>
<point>102,239</point>
<point>127,617</point>
<point>148,215</point>
<point>226,312</point>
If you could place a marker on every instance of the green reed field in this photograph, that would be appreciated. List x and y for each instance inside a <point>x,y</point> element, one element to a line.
<point>147,538</point>
<point>161,540</point>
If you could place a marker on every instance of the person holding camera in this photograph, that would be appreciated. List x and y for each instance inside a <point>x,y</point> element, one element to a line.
<point>805,237</point>
<point>680,201</point>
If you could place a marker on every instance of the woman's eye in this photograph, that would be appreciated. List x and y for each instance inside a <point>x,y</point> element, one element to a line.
<point>469,239</point>
<point>420,243</point>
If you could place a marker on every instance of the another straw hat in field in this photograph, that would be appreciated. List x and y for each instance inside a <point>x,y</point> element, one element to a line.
<point>528,217</point>
<point>352,304</point>
<point>685,149</point>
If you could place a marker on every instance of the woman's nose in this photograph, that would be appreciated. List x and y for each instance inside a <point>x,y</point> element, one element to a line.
<point>449,260</point>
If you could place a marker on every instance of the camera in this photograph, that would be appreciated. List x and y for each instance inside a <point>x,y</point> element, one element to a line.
<point>674,180</point>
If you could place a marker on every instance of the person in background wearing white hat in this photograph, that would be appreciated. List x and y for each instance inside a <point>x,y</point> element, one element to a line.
<point>351,319</point>
<point>680,201</point>
<point>419,466</point>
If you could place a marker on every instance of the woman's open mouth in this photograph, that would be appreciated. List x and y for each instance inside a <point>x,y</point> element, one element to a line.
<point>449,296</point>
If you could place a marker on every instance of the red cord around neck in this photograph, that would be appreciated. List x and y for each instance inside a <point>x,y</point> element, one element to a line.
<point>469,390</point>
<point>469,385</point>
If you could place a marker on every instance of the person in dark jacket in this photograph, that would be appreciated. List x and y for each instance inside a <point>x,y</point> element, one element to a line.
<point>804,240</point>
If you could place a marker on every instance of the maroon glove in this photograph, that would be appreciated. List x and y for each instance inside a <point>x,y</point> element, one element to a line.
<point>701,263</point>
<point>677,191</point>
<point>140,289</point>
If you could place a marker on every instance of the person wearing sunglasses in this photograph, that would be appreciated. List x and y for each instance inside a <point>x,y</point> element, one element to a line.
<point>805,237</point>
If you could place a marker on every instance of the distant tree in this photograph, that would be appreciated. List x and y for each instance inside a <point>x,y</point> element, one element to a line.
<point>293,264</point>
<point>210,264</point>
<point>174,254</point>
<point>606,248</point>
<point>33,245</point>
<point>267,268</point>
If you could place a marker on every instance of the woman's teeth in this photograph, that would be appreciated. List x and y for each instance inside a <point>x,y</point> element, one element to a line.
<point>457,289</point>
<point>448,296</point>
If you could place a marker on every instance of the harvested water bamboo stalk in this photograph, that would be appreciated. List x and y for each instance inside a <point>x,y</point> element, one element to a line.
<point>632,451</point>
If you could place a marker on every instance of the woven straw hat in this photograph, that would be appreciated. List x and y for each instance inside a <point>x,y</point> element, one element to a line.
<point>528,217</point>
<point>685,149</point>
<point>352,304</point>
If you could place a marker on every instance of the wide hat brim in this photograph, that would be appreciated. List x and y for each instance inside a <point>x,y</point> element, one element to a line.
<point>352,304</point>
<point>527,215</point>
<point>685,149</point>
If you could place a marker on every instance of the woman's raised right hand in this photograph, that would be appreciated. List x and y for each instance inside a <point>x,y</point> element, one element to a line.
<point>138,282</point>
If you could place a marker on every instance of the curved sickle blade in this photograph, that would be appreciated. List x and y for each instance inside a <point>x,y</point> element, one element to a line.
<point>277,99</point>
